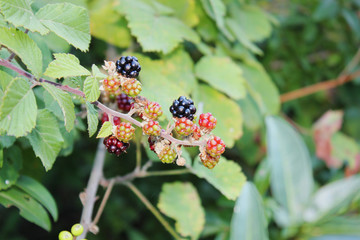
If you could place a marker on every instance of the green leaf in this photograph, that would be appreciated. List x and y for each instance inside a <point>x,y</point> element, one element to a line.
<point>5,79</point>
<point>68,21</point>
<point>6,141</point>
<point>248,221</point>
<point>105,130</point>
<point>19,13</point>
<point>327,201</point>
<point>252,116</point>
<point>92,118</point>
<point>344,149</point>
<point>9,171</point>
<point>29,208</point>
<point>144,18</point>
<point>65,102</point>
<point>1,158</point>
<point>252,20</point>
<point>18,107</point>
<point>39,193</point>
<point>327,9</point>
<point>223,74</point>
<point>181,202</point>
<point>65,65</point>
<point>23,46</point>
<point>339,225</point>
<point>261,88</point>
<point>262,176</point>
<point>107,24</point>
<point>225,110</point>
<point>91,84</point>
<point>292,182</point>
<point>226,176</point>
<point>174,73</point>
<point>46,138</point>
<point>184,10</point>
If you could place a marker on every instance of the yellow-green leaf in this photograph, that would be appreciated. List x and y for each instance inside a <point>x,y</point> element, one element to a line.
<point>105,130</point>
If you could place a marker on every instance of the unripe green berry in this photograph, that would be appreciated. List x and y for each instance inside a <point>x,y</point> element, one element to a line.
<point>65,235</point>
<point>77,229</point>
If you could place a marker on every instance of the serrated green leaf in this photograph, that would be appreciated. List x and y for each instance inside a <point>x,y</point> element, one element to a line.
<point>65,102</point>
<point>65,65</point>
<point>12,163</point>
<point>144,18</point>
<point>108,25</point>
<point>105,130</point>
<point>262,89</point>
<point>39,193</point>
<point>223,74</point>
<point>46,139</point>
<point>225,110</point>
<point>29,208</point>
<point>248,221</point>
<point>91,89</point>
<point>292,181</point>
<point>19,13</point>
<point>174,73</point>
<point>21,44</point>
<point>18,107</point>
<point>6,141</point>
<point>92,118</point>
<point>68,21</point>
<point>181,202</point>
<point>226,176</point>
<point>327,201</point>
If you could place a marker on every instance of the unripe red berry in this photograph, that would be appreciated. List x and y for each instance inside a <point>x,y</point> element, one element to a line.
<point>124,131</point>
<point>152,128</point>
<point>207,120</point>
<point>153,110</point>
<point>215,146</point>
<point>105,118</point>
<point>131,87</point>
<point>184,126</point>
<point>111,84</point>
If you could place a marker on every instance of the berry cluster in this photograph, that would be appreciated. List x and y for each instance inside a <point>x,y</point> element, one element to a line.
<point>115,146</point>
<point>76,230</point>
<point>128,67</point>
<point>123,86</point>
<point>183,107</point>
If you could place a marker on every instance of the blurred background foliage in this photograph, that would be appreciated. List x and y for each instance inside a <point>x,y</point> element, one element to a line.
<point>234,58</point>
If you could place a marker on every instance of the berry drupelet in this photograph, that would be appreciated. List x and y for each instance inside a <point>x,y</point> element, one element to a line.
<point>183,107</point>
<point>128,67</point>
<point>115,146</point>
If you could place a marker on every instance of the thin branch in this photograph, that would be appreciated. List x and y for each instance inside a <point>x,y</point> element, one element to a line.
<point>167,172</point>
<point>138,153</point>
<point>103,202</point>
<point>153,210</point>
<point>101,106</point>
<point>91,189</point>
<point>302,92</point>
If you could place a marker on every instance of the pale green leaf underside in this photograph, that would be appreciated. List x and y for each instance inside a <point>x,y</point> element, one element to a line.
<point>65,102</point>
<point>248,221</point>
<point>92,118</point>
<point>46,138</point>
<point>18,108</point>
<point>226,176</point>
<point>105,130</point>
<point>223,74</point>
<point>40,193</point>
<point>24,47</point>
<point>65,65</point>
<point>19,13</point>
<point>226,111</point>
<point>68,21</point>
<point>181,202</point>
<point>292,182</point>
<point>29,208</point>
<point>156,32</point>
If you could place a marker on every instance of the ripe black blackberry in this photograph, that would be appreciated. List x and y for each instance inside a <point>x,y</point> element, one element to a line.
<point>124,102</point>
<point>128,66</point>
<point>183,107</point>
<point>115,146</point>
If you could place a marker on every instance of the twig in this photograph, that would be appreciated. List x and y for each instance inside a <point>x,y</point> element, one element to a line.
<point>153,210</point>
<point>167,172</point>
<point>101,106</point>
<point>103,202</point>
<point>91,189</point>
<point>302,92</point>
<point>138,154</point>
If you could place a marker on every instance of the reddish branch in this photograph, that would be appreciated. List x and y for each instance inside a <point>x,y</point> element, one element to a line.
<point>302,92</point>
<point>109,111</point>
